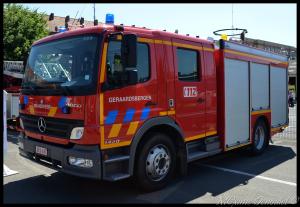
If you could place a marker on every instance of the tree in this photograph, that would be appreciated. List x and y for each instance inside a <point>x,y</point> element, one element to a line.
<point>21,27</point>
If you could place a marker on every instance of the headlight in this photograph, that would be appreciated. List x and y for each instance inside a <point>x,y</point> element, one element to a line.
<point>77,133</point>
<point>80,162</point>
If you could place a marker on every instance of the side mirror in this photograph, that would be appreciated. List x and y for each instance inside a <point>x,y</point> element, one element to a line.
<point>132,77</point>
<point>243,36</point>
<point>128,50</point>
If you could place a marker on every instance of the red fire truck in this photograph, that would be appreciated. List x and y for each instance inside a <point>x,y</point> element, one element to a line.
<point>111,101</point>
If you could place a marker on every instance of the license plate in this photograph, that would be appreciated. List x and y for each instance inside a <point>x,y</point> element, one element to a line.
<point>41,150</point>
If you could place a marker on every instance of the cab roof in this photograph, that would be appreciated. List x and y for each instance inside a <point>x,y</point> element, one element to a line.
<point>142,31</point>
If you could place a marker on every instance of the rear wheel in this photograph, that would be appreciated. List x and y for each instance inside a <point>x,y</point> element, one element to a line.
<point>155,162</point>
<point>260,138</point>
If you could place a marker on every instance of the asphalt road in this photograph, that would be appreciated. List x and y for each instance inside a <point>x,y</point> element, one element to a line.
<point>233,177</point>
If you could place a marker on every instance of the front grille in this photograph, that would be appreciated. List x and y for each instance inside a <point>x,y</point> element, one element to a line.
<point>60,128</point>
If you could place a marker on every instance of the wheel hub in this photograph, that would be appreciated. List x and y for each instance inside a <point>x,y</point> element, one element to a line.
<point>259,137</point>
<point>158,163</point>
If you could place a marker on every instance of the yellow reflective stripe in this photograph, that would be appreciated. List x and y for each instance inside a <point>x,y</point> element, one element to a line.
<point>164,113</point>
<point>275,129</point>
<point>103,64</point>
<point>101,121</point>
<point>102,72</point>
<point>211,133</point>
<point>171,112</point>
<point>279,128</point>
<point>145,40</point>
<point>193,47</point>
<point>114,132</point>
<point>187,46</point>
<point>101,109</point>
<point>31,109</point>
<point>165,42</point>
<point>208,49</point>
<point>132,128</point>
<point>199,136</point>
<point>254,56</point>
<point>102,136</point>
<point>261,112</point>
<point>234,147</point>
<point>194,137</point>
<point>52,111</point>
<point>121,144</point>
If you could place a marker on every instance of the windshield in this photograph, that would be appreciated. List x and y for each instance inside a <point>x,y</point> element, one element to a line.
<point>67,66</point>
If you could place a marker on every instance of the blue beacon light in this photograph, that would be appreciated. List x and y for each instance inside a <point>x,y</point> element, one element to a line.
<point>62,29</point>
<point>109,19</point>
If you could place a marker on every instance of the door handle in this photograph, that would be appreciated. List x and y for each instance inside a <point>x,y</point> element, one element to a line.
<point>200,100</point>
<point>150,103</point>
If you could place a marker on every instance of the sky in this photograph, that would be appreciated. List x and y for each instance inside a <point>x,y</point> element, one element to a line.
<point>269,22</point>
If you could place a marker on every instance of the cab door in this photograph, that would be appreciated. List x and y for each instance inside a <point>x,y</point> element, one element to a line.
<point>190,88</point>
<point>127,106</point>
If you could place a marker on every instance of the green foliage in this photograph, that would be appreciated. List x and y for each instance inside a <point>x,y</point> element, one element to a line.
<point>21,27</point>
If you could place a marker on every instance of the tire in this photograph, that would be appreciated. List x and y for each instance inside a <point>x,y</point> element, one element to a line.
<point>155,162</point>
<point>260,138</point>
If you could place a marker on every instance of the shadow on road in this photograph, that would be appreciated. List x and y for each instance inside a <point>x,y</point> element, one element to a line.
<point>62,188</point>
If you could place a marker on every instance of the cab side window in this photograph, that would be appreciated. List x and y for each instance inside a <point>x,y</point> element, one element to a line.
<point>143,62</point>
<point>187,61</point>
<point>114,65</point>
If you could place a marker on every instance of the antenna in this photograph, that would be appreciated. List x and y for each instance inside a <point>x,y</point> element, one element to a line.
<point>232,18</point>
<point>82,10</point>
<point>94,12</point>
<point>75,17</point>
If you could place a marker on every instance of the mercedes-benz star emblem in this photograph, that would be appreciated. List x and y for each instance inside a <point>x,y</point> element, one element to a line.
<point>42,124</point>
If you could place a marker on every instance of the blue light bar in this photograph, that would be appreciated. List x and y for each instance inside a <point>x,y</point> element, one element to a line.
<point>109,19</point>
<point>62,29</point>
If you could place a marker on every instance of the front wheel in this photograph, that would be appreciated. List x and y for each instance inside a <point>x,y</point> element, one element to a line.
<point>155,162</point>
<point>260,138</point>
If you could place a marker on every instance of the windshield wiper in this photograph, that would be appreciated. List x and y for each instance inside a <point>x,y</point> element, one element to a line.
<point>65,89</point>
<point>31,87</point>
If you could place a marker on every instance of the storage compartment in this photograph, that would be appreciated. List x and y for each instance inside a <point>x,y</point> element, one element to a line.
<point>236,102</point>
<point>259,86</point>
<point>279,96</point>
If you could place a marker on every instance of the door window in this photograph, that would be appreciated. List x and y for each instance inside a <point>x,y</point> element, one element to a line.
<point>187,65</point>
<point>115,67</point>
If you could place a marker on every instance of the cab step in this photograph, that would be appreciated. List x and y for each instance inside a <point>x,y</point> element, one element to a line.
<point>116,167</point>
<point>202,154</point>
<point>203,148</point>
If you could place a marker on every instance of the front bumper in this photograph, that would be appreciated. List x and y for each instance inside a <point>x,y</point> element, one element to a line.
<point>57,157</point>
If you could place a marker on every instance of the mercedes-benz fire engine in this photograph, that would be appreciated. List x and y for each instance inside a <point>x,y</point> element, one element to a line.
<point>111,101</point>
